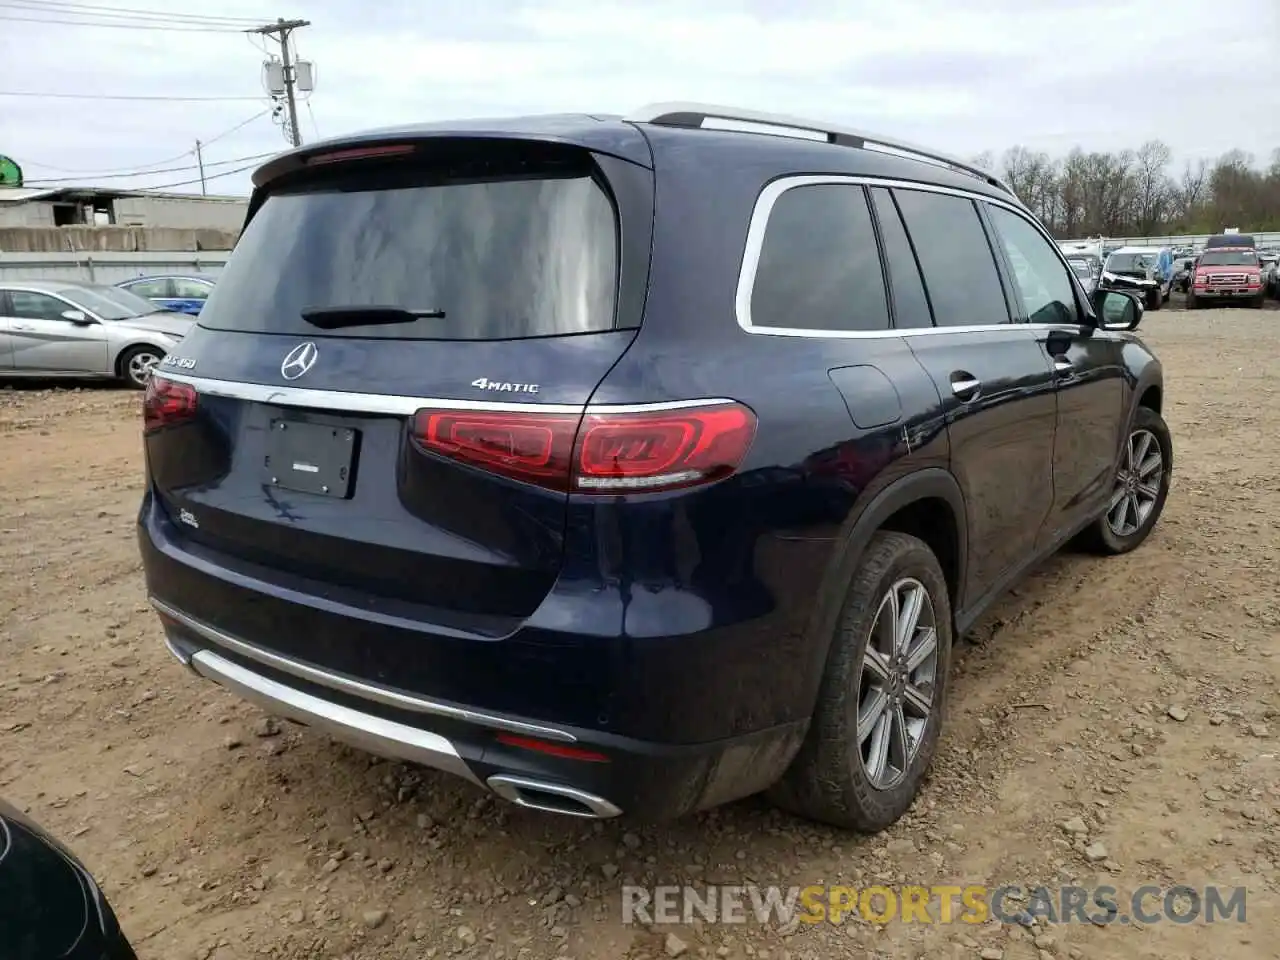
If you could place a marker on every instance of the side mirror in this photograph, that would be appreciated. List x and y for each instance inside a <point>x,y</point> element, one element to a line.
<point>78,317</point>
<point>1116,310</point>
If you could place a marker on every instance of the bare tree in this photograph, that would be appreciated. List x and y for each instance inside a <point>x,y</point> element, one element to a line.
<point>1152,188</point>
<point>1130,193</point>
<point>1191,190</point>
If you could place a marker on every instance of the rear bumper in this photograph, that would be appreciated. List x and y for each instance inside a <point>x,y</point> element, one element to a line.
<point>414,693</point>
<point>645,780</point>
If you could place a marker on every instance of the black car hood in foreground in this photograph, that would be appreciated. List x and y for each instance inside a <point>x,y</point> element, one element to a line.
<point>50,906</point>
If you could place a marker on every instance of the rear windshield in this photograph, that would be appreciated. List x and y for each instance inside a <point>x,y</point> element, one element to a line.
<point>1230,240</point>
<point>1123,262</point>
<point>1229,258</point>
<point>518,251</point>
<point>1081,267</point>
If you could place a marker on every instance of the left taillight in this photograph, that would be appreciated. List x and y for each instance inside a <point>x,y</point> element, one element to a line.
<point>601,452</point>
<point>167,402</point>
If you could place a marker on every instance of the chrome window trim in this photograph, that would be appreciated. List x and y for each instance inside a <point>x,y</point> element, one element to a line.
<point>403,406</point>
<point>770,195</point>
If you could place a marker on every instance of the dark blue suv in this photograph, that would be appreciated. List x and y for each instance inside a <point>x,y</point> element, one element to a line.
<point>634,465</point>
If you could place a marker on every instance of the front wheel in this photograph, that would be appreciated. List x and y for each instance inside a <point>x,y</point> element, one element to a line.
<point>1154,300</point>
<point>1140,488</point>
<point>881,701</point>
<point>137,363</point>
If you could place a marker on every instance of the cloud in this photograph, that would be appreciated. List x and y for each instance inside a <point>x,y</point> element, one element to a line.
<point>962,76</point>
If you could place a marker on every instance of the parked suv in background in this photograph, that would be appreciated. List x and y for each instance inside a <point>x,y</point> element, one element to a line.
<point>1227,273</point>
<point>625,465</point>
<point>1147,271</point>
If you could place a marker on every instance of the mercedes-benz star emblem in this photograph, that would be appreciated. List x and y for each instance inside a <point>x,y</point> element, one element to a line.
<point>299,360</point>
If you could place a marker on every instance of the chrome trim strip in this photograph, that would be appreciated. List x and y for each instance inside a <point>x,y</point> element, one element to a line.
<point>755,244</point>
<point>358,688</point>
<point>508,787</point>
<point>384,737</point>
<point>403,406</point>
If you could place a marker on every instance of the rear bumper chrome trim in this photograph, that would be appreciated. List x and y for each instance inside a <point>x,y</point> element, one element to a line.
<point>357,688</point>
<point>384,737</point>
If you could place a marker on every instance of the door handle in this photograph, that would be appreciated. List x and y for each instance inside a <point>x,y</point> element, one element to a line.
<point>1063,366</point>
<point>965,385</point>
<point>22,326</point>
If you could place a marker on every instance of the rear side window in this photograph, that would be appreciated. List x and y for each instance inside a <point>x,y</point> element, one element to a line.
<point>154,289</point>
<point>819,266</point>
<point>959,269</point>
<point>910,305</point>
<point>511,249</point>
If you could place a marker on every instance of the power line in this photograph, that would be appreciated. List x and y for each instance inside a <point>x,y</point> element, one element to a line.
<point>92,9</point>
<point>134,174</point>
<point>112,96</point>
<point>212,176</point>
<point>141,25</point>
<point>148,168</point>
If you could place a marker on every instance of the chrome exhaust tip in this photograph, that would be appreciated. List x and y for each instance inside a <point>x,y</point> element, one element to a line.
<point>551,797</point>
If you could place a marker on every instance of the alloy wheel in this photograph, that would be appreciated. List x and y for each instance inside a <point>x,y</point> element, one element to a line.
<point>897,683</point>
<point>1137,484</point>
<point>140,367</point>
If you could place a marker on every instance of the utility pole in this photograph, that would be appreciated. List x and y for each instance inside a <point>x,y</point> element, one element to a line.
<point>200,163</point>
<point>280,31</point>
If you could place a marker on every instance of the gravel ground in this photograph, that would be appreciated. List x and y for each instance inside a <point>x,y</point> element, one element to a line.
<point>1114,721</point>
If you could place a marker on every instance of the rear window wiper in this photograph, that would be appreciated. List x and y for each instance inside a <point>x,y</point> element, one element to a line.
<point>333,318</point>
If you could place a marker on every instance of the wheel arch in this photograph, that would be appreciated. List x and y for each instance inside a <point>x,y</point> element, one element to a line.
<point>927,504</point>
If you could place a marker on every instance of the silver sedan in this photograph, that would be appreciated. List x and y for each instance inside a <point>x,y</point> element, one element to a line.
<point>60,329</point>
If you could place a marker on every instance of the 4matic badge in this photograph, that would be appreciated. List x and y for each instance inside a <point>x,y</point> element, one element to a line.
<point>503,386</point>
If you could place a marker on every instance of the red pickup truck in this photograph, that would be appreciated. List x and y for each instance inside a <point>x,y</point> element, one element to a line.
<point>1226,273</point>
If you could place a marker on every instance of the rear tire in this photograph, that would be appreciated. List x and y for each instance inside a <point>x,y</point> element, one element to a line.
<point>136,364</point>
<point>866,781</point>
<point>1140,489</point>
<point>1155,300</point>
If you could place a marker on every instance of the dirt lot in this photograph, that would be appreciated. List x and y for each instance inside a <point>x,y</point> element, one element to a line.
<point>1136,695</point>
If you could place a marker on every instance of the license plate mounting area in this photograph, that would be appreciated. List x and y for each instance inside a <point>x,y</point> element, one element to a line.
<point>305,457</point>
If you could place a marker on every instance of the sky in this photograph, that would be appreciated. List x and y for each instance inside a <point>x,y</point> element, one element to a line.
<point>963,76</point>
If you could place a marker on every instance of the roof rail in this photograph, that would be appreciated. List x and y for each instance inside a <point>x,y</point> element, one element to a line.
<point>695,115</point>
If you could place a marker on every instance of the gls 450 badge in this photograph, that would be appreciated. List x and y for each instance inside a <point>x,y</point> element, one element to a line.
<point>484,383</point>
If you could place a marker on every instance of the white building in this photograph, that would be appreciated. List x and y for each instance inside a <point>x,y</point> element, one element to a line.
<point>100,206</point>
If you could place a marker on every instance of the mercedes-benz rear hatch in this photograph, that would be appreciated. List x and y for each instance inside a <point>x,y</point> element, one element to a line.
<point>377,411</point>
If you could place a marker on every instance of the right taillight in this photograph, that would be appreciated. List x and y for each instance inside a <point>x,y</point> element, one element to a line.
<point>601,452</point>
<point>166,402</point>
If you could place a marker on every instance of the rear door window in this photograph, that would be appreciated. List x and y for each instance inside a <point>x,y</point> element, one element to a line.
<point>514,250</point>
<point>819,266</point>
<point>959,267</point>
<point>151,289</point>
<point>910,305</point>
<point>186,289</point>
